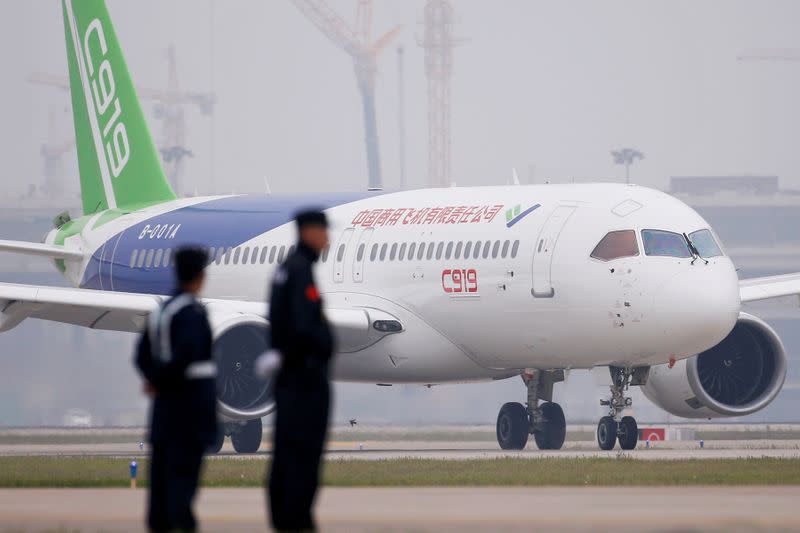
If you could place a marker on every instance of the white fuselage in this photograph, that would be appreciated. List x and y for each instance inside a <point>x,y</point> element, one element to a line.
<point>534,298</point>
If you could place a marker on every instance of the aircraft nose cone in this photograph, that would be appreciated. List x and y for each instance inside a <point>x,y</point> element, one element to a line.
<point>698,307</point>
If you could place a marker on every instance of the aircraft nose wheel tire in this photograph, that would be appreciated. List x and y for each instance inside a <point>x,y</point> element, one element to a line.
<point>248,438</point>
<point>607,433</point>
<point>628,433</point>
<point>512,426</point>
<point>551,432</point>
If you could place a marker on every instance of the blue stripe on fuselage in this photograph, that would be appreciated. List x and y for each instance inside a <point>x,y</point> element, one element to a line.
<point>224,222</point>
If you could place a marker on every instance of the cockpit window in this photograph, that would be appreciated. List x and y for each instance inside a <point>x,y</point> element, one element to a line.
<point>705,243</point>
<point>615,245</point>
<point>665,243</point>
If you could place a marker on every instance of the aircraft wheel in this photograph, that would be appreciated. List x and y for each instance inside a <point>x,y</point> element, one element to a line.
<point>607,433</point>
<point>628,433</point>
<point>550,434</point>
<point>248,438</point>
<point>512,426</point>
<point>217,446</point>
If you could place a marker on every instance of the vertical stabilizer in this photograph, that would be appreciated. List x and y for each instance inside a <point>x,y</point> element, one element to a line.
<point>118,162</point>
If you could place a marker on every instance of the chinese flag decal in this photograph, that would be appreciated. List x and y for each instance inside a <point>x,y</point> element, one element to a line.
<point>312,293</point>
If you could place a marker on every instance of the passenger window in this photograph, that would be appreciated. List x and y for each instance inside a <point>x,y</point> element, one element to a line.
<point>439,249</point>
<point>431,249</point>
<point>157,258</point>
<point>383,251</point>
<point>514,249</point>
<point>411,248</point>
<point>133,258</point>
<point>467,249</point>
<point>272,254</point>
<point>360,254</point>
<point>374,252</point>
<point>264,252</point>
<point>705,243</point>
<point>458,249</point>
<point>168,257</point>
<point>245,255</point>
<point>280,254</point>
<point>421,251</point>
<point>325,253</point>
<point>477,251</point>
<point>340,253</point>
<point>495,249</point>
<point>486,246</point>
<point>149,260</point>
<point>665,243</point>
<point>504,253</point>
<point>393,252</point>
<point>254,255</point>
<point>449,250</point>
<point>236,253</point>
<point>228,253</point>
<point>616,244</point>
<point>402,253</point>
<point>140,259</point>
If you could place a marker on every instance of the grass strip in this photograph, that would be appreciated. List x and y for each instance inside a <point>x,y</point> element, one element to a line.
<point>233,472</point>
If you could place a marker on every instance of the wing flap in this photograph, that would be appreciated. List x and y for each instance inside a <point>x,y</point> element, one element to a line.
<point>754,289</point>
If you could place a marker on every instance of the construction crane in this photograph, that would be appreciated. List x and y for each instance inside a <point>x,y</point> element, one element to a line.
<point>169,109</point>
<point>438,43</point>
<point>357,42</point>
<point>401,118</point>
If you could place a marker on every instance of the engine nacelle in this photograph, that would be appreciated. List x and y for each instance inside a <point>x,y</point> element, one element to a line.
<point>238,340</point>
<point>740,375</point>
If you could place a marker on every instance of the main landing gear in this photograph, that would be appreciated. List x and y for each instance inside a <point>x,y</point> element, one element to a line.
<point>615,427</point>
<point>246,436</point>
<point>545,421</point>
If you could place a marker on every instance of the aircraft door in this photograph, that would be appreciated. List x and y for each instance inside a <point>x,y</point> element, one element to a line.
<point>361,255</point>
<point>339,255</point>
<point>543,253</point>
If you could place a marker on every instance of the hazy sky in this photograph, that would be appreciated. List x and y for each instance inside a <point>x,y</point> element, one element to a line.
<point>545,85</point>
<point>548,86</point>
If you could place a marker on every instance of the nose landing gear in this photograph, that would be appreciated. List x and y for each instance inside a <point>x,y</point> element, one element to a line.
<point>544,421</point>
<point>615,427</point>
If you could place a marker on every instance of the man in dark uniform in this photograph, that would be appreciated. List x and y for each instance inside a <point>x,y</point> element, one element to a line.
<point>174,358</point>
<point>303,339</point>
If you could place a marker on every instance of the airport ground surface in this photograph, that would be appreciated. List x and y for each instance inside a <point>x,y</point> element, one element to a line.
<point>720,441</point>
<point>765,503</point>
<point>617,509</point>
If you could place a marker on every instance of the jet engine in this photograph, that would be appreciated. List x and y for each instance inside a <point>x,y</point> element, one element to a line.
<point>740,375</point>
<point>238,340</point>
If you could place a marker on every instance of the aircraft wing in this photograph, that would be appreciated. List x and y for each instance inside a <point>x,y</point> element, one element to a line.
<point>754,289</point>
<point>118,311</point>
<point>52,251</point>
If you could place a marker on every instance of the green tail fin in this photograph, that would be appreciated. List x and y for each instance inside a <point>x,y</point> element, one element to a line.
<point>118,162</point>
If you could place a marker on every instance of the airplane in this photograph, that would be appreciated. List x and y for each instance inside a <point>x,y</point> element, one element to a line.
<point>429,286</point>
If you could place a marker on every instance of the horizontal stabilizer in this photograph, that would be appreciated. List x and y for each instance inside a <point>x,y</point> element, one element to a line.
<point>53,251</point>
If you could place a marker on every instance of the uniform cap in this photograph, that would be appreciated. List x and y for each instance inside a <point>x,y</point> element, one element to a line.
<point>311,217</point>
<point>190,262</point>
